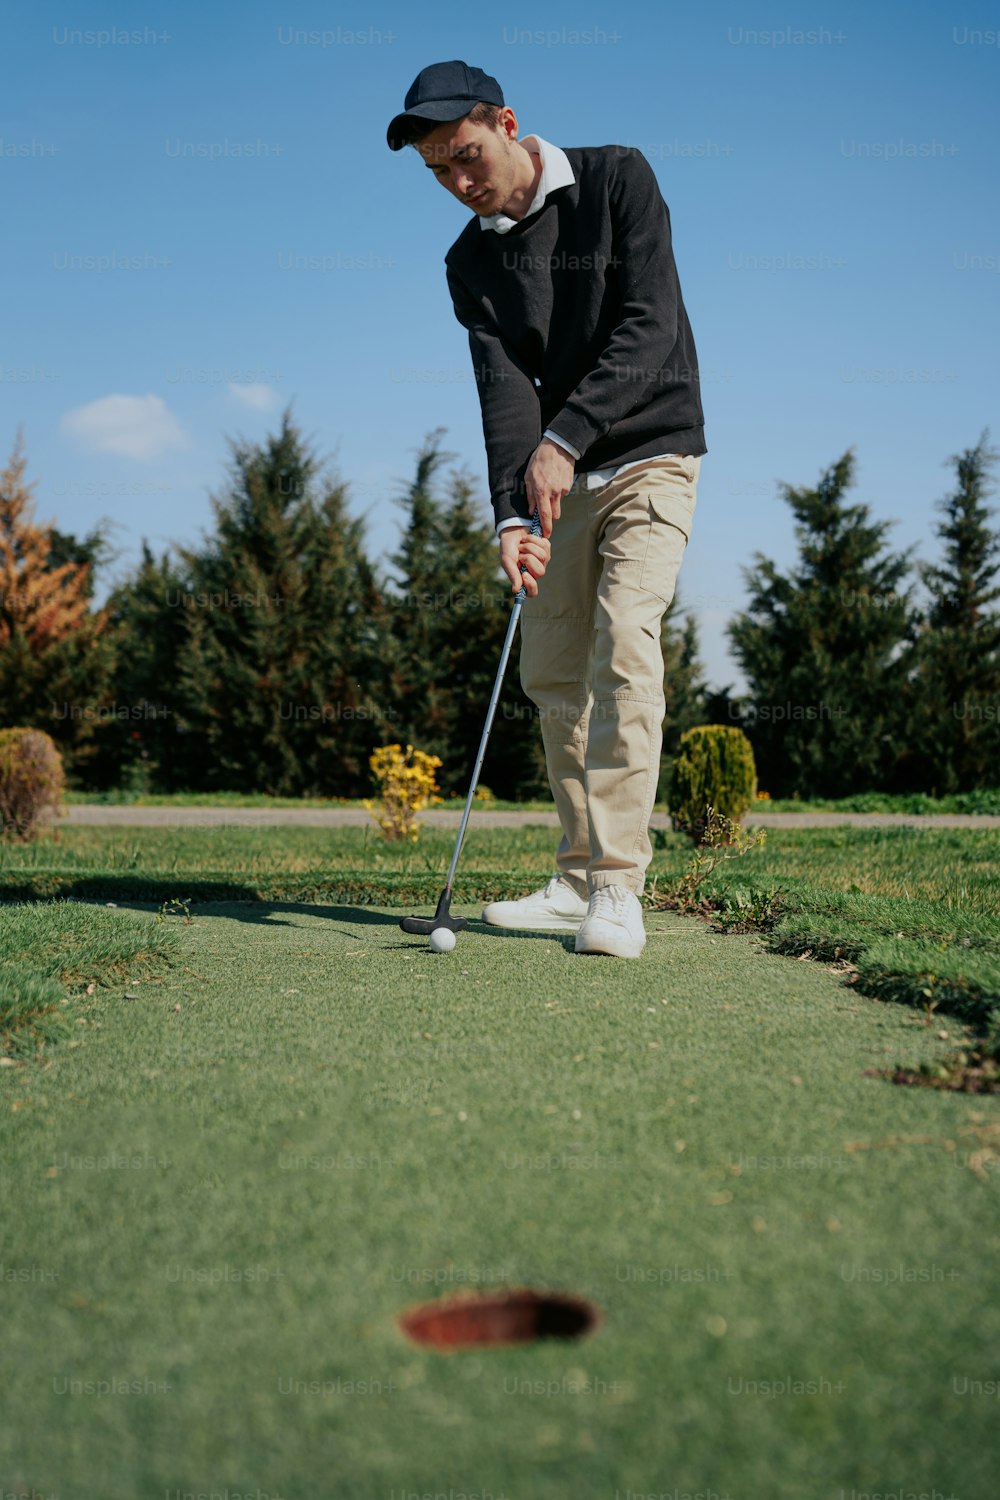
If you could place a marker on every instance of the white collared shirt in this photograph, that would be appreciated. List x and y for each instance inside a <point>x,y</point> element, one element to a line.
<point>556,173</point>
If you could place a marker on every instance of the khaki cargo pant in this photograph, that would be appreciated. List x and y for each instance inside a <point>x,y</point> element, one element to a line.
<point>592,664</point>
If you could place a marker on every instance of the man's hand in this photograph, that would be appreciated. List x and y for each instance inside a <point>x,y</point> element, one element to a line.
<point>517,546</point>
<point>547,479</point>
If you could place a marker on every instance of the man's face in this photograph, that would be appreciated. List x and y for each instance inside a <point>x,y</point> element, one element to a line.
<point>477,165</point>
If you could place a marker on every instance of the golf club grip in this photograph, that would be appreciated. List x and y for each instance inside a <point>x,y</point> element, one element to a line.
<point>536,530</point>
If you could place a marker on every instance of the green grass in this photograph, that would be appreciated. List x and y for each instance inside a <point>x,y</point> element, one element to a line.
<point>943,975</point>
<point>986,800</point>
<point>841,888</point>
<point>224,1193</point>
<point>30,1013</point>
<point>889,902</point>
<point>229,1203</point>
<point>124,797</point>
<point>51,953</point>
<point>959,867</point>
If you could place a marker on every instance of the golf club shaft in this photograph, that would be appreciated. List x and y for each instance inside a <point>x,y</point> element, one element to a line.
<point>536,530</point>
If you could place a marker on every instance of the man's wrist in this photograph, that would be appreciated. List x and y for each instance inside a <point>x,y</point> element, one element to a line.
<point>554,437</point>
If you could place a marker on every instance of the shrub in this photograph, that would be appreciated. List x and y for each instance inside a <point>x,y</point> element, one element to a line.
<point>408,786</point>
<point>723,840</point>
<point>714,767</point>
<point>31,781</point>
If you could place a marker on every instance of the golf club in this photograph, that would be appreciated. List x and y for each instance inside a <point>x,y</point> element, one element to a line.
<point>442,916</point>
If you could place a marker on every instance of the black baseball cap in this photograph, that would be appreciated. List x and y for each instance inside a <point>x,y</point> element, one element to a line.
<point>444,91</point>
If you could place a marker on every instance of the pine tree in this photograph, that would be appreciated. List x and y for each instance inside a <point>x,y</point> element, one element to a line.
<point>94,549</point>
<point>418,681</point>
<point>820,647</point>
<point>145,746</point>
<point>347,650</point>
<point>56,658</point>
<point>451,609</point>
<point>683,683</point>
<point>683,675</point>
<point>473,634</point>
<point>275,668</point>
<point>958,652</point>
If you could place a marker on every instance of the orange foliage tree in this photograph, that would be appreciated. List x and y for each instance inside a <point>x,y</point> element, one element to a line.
<point>56,655</point>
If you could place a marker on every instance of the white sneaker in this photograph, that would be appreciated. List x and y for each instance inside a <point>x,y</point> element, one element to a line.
<point>555,907</point>
<point>613,924</point>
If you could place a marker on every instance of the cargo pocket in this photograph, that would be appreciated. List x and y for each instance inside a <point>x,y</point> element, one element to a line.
<point>670,517</point>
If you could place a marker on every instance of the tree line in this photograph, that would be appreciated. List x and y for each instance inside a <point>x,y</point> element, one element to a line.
<point>276,655</point>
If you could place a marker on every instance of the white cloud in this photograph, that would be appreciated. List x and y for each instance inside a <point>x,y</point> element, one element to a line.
<point>258,397</point>
<point>135,426</point>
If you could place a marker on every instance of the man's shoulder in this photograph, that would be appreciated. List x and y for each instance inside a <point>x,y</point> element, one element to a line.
<point>603,158</point>
<point>593,166</point>
<point>604,172</point>
<point>459,249</point>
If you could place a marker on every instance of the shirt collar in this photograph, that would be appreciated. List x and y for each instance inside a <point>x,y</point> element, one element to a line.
<point>556,173</point>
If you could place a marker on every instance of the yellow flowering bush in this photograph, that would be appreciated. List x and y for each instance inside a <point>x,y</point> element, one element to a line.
<point>407,784</point>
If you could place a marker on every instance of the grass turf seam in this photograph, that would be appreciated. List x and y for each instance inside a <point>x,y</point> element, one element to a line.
<point>52,952</point>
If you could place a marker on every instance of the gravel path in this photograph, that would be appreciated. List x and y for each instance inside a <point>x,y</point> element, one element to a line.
<point>340,817</point>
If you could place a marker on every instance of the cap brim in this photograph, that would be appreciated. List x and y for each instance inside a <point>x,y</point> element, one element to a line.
<point>433,113</point>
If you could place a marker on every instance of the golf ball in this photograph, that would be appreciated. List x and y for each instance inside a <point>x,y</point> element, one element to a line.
<point>442,940</point>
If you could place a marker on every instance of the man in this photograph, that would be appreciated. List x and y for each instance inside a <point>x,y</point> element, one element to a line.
<point>588,384</point>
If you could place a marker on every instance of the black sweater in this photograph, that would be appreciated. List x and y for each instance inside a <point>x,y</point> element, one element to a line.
<point>576,322</point>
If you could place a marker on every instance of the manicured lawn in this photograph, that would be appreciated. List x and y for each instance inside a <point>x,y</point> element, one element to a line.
<point>839,886</point>
<point>218,1201</point>
<point>959,867</point>
<point>262,799</point>
<point>984,801</point>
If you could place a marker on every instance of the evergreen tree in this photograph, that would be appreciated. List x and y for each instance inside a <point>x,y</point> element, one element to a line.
<point>820,647</point>
<point>145,746</point>
<point>345,665</point>
<point>421,589</point>
<point>94,549</point>
<point>475,629</point>
<point>683,675</point>
<point>683,684</point>
<point>56,657</point>
<point>274,673</point>
<point>450,612</point>
<point>958,652</point>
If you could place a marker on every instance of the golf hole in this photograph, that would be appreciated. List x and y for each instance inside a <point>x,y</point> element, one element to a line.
<point>498,1319</point>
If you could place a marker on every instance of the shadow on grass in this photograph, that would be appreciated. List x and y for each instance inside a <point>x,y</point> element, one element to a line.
<point>280,913</point>
<point>352,888</point>
<point>265,913</point>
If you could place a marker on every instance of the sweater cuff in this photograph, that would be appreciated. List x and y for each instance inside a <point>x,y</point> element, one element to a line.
<point>574,452</point>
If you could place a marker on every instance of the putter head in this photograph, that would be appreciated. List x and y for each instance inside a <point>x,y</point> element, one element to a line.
<point>423,926</point>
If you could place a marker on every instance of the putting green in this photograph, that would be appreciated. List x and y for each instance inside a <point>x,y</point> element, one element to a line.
<point>217,1204</point>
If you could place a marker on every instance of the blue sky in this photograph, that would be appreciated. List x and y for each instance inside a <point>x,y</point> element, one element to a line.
<point>204,223</point>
